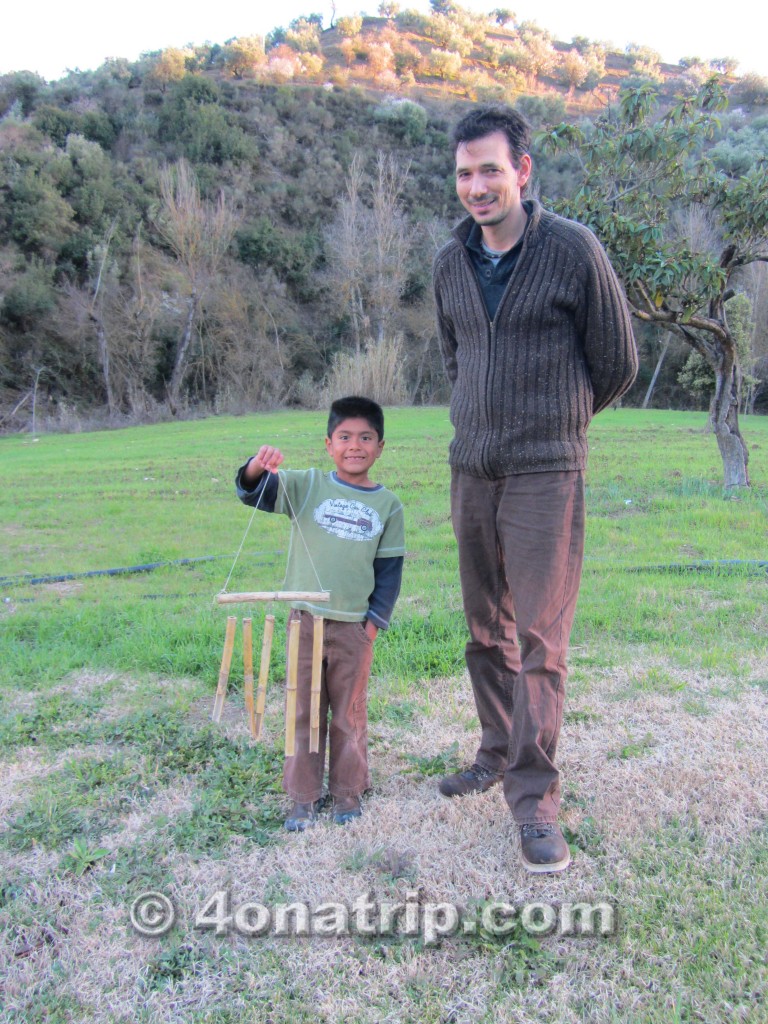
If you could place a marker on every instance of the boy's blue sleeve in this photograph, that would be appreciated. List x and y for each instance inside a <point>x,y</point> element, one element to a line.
<point>264,494</point>
<point>387,575</point>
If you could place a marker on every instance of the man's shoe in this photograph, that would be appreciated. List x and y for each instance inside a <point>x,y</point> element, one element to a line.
<point>303,815</point>
<point>473,780</point>
<point>543,848</point>
<point>345,809</point>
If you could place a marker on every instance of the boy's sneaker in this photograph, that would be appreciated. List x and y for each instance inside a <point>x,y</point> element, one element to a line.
<point>473,780</point>
<point>303,815</point>
<point>543,848</point>
<point>345,809</point>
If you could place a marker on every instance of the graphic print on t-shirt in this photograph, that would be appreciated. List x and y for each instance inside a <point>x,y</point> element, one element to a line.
<point>348,519</point>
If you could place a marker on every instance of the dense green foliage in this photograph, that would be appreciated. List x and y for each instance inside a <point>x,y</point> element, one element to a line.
<point>680,231</point>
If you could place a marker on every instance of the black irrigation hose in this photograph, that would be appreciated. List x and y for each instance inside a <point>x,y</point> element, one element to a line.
<point>14,581</point>
<point>706,566</point>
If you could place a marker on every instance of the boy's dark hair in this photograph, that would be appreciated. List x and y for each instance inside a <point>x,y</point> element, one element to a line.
<point>353,407</point>
<point>485,120</point>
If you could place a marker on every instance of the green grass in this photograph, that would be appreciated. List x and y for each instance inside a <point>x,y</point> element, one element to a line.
<point>669,935</point>
<point>107,683</point>
<point>106,500</point>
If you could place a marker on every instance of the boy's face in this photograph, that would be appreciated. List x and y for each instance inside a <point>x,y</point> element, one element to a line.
<point>354,446</point>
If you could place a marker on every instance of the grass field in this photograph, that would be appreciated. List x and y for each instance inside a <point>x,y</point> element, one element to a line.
<point>114,782</point>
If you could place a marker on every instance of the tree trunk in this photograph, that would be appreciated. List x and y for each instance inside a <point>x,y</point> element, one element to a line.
<point>101,336</point>
<point>180,363</point>
<point>724,420</point>
<point>34,398</point>
<point>656,372</point>
<point>98,320</point>
<point>720,352</point>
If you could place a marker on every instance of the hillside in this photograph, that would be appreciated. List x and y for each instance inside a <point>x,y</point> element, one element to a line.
<point>182,233</point>
<point>497,62</point>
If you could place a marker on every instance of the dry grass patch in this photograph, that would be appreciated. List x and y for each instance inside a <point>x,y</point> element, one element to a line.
<point>15,776</point>
<point>660,818</point>
<point>705,767</point>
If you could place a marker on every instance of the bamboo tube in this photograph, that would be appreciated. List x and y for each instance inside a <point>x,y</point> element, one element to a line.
<point>292,674</point>
<point>248,673</point>
<point>317,672</point>
<point>261,692</point>
<point>226,661</point>
<point>273,595</point>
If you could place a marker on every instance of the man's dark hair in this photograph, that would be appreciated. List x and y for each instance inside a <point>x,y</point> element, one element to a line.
<point>354,407</point>
<point>485,120</point>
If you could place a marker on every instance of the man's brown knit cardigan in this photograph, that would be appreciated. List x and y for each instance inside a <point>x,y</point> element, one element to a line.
<point>559,349</point>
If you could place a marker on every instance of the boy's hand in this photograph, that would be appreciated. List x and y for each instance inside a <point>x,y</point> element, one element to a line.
<point>266,460</point>
<point>371,629</point>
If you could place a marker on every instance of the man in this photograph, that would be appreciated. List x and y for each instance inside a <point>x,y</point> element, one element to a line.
<point>536,339</point>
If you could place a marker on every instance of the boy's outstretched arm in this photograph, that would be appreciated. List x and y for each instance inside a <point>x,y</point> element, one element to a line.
<point>266,460</point>
<point>256,482</point>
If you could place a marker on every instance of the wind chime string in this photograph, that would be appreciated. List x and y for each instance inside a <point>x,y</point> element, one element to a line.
<point>255,708</point>
<point>298,529</point>
<point>242,544</point>
<point>301,535</point>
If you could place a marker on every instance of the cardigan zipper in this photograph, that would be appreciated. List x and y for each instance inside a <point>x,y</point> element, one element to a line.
<point>491,333</point>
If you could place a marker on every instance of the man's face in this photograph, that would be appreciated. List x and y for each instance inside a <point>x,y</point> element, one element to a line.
<point>487,183</point>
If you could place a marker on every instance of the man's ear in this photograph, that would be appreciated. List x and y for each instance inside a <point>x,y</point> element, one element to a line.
<point>524,170</point>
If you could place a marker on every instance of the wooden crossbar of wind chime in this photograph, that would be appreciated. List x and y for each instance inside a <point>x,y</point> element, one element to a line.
<point>255,708</point>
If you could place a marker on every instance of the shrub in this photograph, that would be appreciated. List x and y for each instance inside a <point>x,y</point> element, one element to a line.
<point>752,90</point>
<point>349,26</point>
<point>413,21</point>
<point>443,64</point>
<point>303,36</point>
<point>376,372</point>
<point>405,119</point>
<point>29,298</point>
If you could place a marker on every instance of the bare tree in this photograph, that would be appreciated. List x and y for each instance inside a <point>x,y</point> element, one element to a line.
<point>83,312</point>
<point>199,233</point>
<point>344,241</point>
<point>389,243</point>
<point>99,257</point>
<point>249,361</point>
<point>368,245</point>
<point>137,310</point>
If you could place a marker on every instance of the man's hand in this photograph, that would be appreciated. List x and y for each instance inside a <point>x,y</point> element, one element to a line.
<point>266,460</point>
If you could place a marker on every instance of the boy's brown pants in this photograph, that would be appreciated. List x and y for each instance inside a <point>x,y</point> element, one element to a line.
<point>347,656</point>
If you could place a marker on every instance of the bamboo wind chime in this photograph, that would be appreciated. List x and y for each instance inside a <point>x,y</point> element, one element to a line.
<point>255,709</point>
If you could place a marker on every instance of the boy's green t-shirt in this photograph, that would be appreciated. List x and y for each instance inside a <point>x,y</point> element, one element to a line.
<point>344,528</point>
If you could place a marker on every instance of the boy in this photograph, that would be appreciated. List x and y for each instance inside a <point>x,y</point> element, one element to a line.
<point>355,544</point>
